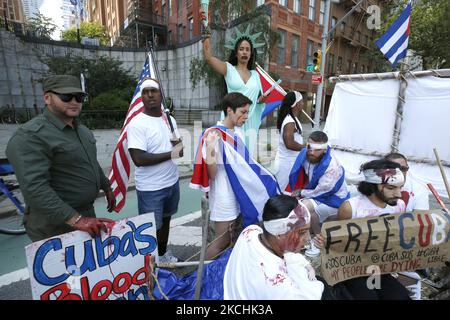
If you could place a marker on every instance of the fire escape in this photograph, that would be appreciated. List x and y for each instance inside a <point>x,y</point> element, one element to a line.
<point>351,33</point>
<point>141,26</point>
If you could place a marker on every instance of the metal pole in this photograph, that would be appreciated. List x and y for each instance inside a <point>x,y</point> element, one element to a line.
<point>166,110</point>
<point>322,63</point>
<point>205,214</point>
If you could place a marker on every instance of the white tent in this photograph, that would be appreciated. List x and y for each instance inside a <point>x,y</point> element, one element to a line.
<point>367,120</point>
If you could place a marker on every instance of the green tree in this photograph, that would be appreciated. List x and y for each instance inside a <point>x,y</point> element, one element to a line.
<point>104,74</point>
<point>429,32</point>
<point>40,26</point>
<point>87,29</point>
<point>227,14</point>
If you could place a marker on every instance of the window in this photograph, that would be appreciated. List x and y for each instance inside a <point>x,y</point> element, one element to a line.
<point>312,10</point>
<point>180,33</point>
<point>297,6</point>
<point>349,66</point>
<point>170,8</point>
<point>358,36</point>
<point>163,10</point>
<point>330,64</point>
<point>333,22</point>
<point>259,2</point>
<point>339,65</point>
<point>322,12</point>
<point>309,52</point>
<point>343,27</point>
<point>283,2</point>
<point>295,50</point>
<point>281,47</point>
<point>191,28</point>
<point>179,6</point>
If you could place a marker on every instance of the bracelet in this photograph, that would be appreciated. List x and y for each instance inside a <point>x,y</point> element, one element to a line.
<point>77,219</point>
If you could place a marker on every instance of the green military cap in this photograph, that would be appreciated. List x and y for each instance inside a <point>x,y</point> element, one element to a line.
<point>62,84</point>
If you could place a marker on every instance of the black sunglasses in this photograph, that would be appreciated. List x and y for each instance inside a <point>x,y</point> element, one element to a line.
<point>67,97</point>
<point>404,168</point>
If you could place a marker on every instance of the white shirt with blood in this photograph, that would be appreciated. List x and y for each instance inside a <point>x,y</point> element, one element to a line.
<point>415,195</point>
<point>255,273</point>
<point>362,207</point>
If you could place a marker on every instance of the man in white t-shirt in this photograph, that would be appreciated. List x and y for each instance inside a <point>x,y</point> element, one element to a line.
<point>152,146</point>
<point>380,195</point>
<point>266,263</point>
<point>414,194</point>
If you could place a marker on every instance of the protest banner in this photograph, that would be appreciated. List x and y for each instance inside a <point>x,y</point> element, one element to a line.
<point>74,266</point>
<point>385,244</point>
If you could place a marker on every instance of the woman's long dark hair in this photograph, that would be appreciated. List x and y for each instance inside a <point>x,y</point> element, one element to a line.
<point>233,58</point>
<point>285,109</point>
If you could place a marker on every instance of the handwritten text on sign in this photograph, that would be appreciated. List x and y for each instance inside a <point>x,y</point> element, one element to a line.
<point>75,266</point>
<point>393,243</point>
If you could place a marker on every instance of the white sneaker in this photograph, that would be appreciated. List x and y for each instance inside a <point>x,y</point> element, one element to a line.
<point>313,251</point>
<point>168,257</point>
<point>415,291</point>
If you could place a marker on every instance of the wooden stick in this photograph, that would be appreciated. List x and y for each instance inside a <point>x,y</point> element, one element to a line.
<point>174,265</point>
<point>436,195</point>
<point>444,177</point>
<point>198,285</point>
<point>309,118</point>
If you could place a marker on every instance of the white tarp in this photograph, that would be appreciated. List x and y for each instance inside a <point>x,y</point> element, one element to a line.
<point>362,116</point>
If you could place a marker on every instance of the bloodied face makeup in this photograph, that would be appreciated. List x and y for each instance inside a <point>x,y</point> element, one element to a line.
<point>388,193</point>
<point>240,116</point>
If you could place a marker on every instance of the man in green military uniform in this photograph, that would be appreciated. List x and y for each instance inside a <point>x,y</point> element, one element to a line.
<point>55,161</point>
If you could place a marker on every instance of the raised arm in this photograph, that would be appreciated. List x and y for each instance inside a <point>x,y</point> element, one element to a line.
<point>217,64</point>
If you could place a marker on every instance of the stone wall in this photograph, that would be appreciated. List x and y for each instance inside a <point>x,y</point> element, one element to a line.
<point>21,69</point>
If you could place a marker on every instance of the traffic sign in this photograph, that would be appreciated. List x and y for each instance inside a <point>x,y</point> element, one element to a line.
<point>316,79</point>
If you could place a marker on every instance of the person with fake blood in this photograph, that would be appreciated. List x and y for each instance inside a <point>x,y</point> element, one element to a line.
<point>326,189</point>
<point>266,263</point>
<point>380,195</point>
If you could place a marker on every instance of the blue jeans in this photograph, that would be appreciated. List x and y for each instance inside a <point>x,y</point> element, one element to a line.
<point>164,202</point>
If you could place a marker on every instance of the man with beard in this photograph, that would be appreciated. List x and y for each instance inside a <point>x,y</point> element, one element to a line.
<point>326,189</point>
<point>55,160</point>
<point>152,147</point>
<point>380,195</point>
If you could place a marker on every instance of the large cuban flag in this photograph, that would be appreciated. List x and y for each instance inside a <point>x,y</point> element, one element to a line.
<point>277,92</point>
<point>252,184</point>
<point>394,43</point>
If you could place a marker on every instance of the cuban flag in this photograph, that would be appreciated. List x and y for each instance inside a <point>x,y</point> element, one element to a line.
<point>394,43</point>
<point>276,94</point>
<point>252,184</point>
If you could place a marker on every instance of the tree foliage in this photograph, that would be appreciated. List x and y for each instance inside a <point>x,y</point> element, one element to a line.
<point>103,74</point>
<point>226,16</point>
<point>87,29</point>
<point>40,26</point>
<point>429,32</point>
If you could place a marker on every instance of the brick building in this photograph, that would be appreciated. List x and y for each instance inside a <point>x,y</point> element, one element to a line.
<point>299,23</point>
<point>12,11</point>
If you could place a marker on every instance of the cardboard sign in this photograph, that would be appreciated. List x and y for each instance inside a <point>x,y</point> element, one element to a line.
<point>392,243</point>
<point>75,266</point>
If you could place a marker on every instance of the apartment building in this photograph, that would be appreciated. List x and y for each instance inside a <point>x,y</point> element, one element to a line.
<point>12,11</point>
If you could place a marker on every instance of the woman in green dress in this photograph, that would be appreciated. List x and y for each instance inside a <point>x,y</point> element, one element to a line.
<point>240,76</point>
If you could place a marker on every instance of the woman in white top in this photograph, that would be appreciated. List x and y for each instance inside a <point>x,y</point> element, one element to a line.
<point>290,139</point>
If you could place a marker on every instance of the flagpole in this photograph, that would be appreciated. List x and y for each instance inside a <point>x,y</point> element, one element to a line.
<point>167,112</point>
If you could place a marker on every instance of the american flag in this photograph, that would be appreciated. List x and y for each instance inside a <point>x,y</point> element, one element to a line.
<point>121,160</point>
